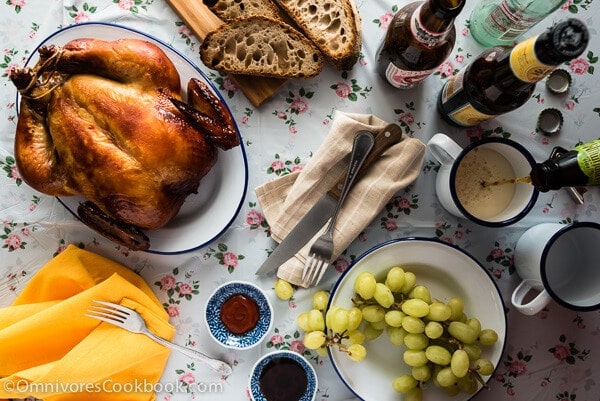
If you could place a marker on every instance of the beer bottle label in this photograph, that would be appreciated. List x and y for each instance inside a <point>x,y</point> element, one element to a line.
<point>422,34</point>
<point>462,112</point>
<point>508,21</point>
<point>588,158</point>
<point>404,79</point>
<point>525,64</point>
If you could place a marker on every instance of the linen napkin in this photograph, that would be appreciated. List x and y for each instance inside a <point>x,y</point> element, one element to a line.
<point>285,200</point>
<point>50,350</point>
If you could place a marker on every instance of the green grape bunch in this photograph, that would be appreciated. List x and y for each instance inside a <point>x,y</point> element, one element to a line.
<point>343,327</point>
<point>441,344</point>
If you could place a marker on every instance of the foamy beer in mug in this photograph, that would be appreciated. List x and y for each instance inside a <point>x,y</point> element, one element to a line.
<point>486,182</point>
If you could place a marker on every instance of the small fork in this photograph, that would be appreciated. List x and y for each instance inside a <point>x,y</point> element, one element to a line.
<point>321,251</point>
<point>130,320</point>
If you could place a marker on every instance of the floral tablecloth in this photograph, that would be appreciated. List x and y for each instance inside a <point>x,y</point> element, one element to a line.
<point>550,356</point>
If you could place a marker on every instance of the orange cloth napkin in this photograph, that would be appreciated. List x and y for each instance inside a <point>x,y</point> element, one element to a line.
<point>285,200</point>
<point>50,350</point>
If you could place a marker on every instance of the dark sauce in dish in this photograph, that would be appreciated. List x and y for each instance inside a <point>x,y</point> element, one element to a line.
<point>239,314</point>
<point>283,379</point>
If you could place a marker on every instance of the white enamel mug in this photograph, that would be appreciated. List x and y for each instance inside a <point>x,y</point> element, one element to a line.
<point>560,262</point>
<point>450,155</point>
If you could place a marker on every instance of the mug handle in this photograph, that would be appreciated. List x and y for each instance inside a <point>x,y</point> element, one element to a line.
<point>535,305</point>
<point>443,148</point>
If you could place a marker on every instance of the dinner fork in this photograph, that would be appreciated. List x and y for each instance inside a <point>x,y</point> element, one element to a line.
<point>129,319</point>
<point>321,251</point>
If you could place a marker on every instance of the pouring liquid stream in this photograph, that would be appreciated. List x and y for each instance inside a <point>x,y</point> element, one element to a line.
<point>517,180</point>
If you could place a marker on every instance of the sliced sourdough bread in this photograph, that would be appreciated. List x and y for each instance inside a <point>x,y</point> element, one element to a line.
<point>333,25</point>
<point>230,10</point>
<point>261,46</point>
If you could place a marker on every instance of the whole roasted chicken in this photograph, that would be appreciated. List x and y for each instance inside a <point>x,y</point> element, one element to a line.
<point>105,120</point>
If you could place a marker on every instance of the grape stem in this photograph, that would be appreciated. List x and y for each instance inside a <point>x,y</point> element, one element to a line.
<point>335,339</point>
<point>478,377</point>
<point>357,300</point>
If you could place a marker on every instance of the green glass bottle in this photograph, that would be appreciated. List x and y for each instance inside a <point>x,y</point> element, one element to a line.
<point>569,168</point>
<point>501,22</point>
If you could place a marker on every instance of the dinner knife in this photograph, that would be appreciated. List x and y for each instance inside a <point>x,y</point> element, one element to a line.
<point>318,215</point>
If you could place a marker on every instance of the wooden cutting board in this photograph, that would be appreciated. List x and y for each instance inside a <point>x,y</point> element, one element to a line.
<point>201,21</point>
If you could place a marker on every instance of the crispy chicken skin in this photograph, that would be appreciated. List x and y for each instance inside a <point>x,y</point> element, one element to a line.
<point>105,120</point>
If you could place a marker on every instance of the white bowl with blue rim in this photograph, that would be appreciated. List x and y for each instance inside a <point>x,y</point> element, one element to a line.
<point>220,332</point>
<point>447,271</point>
<point>281,376</point>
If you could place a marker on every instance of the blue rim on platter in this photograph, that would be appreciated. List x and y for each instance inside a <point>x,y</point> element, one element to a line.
<point>204,216</point>
<point>454,273</point>
<point>219,332</point>
<point>254,381</point>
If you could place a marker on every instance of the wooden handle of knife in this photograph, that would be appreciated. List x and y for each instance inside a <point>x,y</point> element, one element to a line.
<point>385,138</point>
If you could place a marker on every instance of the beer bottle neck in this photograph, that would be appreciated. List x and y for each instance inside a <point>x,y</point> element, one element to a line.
<point>565,41</point>
<point>438,15</point>
<point>533,59</point>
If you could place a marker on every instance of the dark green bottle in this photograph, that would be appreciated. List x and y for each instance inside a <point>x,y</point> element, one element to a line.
<point>569,168</point>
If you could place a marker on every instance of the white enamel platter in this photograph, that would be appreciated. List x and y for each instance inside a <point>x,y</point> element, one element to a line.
<point>203,216</point>
<point>447,271</point>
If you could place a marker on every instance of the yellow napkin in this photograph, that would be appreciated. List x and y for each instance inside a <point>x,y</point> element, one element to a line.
<point>285,200</point>
<point>50,350</point>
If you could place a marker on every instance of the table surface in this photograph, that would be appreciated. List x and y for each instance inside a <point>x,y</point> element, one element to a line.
<point>551,355</point>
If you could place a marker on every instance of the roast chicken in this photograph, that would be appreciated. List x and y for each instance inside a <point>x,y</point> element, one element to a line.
<point>105,120</point>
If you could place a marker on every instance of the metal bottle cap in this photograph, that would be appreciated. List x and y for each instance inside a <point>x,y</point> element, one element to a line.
<point>558,82</point>
<point>550,121</point>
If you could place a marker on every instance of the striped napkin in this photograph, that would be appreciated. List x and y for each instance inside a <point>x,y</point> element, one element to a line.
<point>285,200</point>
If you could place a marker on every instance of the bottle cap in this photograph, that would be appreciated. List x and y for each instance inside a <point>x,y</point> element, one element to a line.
<point>550,121</point>
<point>562,42</point>
<point>558,82</point>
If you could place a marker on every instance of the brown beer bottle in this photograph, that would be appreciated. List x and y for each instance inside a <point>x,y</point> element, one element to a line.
<point>502,79</point>
<point>569,168</point>
<point>420,38</point>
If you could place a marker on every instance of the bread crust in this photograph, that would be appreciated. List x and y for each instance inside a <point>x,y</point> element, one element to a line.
<point>231,10</point>
<point>333,25</point>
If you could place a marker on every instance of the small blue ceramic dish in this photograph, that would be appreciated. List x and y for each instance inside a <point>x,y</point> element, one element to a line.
<point>283,375</point>
<point>239,315</point>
